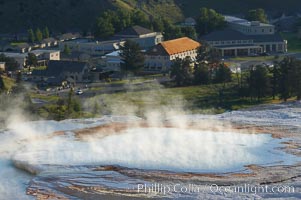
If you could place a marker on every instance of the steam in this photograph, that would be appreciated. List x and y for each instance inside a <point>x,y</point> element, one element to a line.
<point>157,148</point>
<point>170,149</point>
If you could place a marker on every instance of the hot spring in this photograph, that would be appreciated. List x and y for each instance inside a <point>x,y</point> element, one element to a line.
<point>37,147</point>
<point>171,149</point>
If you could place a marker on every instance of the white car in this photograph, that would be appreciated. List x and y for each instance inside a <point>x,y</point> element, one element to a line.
<point>79,92</point>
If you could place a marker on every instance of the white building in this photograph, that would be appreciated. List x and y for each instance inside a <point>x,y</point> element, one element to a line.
<point>250,28</point>
<point>161,56</point>
<point>43,54</point>
<point>144,37</point>
<point>19,57</point>
<point>91,47</point>
<point>113,61</point>
<point>243,38</point>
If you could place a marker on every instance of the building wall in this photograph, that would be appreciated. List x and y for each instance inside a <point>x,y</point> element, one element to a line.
<point>77,77</point>
<point>55,55</point>
<point>266,46</point>
<point>2,66</point>
<point>157,63</point>
<point>95,48</point>
<point>231,42</point>
<point>148,42</point>
<point>163,63</point>
<point>274,46</point>
<point>254,28</point>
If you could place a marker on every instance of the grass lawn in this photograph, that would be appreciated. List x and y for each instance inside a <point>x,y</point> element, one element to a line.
<point>9,83</point>
<point>49,98</point>
<point>17,43</point>
<point>191,99</point>
<point>257,58</point>
<point>293,42</point>
<point>40,68</point>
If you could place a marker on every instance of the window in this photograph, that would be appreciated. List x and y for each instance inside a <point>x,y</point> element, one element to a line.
<point>263,30</point>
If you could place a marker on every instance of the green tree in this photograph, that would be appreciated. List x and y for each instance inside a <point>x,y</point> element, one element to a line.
<point>123,20</point>
<point>132,57</point>
<point>208,54</point>
<point>257,15</point>
<point>182,71</point>
<point>31,60</point>
<point>209,20</point>
<point>10,63</point>
<point>67,50</point>
<point>31,37</point>
<point>39,35</point>
<point>157,24</point>
<point>171,31</point>
<point>189,32</point>
<point>139,18</point>
<point>259,82</point>
<point>2,85</point>
<point>70,102</point>
<point>295,78</point>
<point>275,71</point>
<point>46,32</point>
<point>285,78</point>
<point>222,74</point>
<point>201,74</point>
<point>104,28</point>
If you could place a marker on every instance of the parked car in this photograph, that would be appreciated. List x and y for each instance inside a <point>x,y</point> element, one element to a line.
<point>253,54</point>
<point>79,92</point>
<point>265,54</point>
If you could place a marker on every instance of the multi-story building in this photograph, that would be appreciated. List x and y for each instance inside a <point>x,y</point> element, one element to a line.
<point>243,38</point>
<point>91,47</point>
<point>20,58</point>
<point>161,56</point>
<point>144,37</point>
<point>43,54</point>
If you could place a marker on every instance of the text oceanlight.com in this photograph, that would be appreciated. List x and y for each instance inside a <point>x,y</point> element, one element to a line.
<point>157,188</point>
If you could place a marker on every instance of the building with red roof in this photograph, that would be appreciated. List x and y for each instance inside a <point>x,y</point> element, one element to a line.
<point>160,57</point>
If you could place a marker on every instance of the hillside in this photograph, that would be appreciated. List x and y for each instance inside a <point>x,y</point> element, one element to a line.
<point>65,15</point>
<point>58,15</point>
<point>273,7</point>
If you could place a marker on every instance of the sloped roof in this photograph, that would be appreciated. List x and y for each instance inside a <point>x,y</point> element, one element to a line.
<point>230,34</point>
<point>57,67</point>
<point>224,35</point>
<point>157,50</point>
<point>268,38</point>
<point>135,31</point>
<point>179,45</point>
<point>49,40</point>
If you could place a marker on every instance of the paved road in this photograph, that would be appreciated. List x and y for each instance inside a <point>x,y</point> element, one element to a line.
<point>104,88</point>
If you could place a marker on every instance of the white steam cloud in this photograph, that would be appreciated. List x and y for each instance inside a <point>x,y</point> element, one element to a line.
<point>175,149</point>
